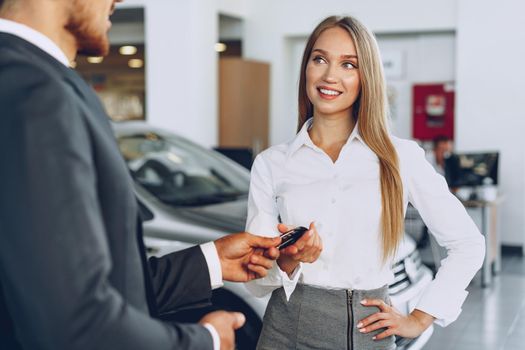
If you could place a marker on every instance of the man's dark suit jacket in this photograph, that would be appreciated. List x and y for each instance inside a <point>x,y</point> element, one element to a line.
<point>73,274</point>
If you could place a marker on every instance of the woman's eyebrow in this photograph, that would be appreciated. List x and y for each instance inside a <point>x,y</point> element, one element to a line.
<point>342,56</point>
<point>348,56</point>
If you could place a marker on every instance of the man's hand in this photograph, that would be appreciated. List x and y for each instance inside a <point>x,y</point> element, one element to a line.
<point>306,249</point>
<point>245,257</point>
<point>225,323</point>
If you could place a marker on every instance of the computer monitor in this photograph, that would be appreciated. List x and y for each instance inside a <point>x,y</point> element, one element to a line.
<point>472,169</point>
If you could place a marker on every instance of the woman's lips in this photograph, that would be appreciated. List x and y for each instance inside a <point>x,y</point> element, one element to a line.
<point>328,94</point>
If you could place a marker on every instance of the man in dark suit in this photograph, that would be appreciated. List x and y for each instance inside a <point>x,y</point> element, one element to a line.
<point>73,273</point>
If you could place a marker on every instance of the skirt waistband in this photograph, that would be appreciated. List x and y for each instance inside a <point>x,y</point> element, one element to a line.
<point>344,290</point>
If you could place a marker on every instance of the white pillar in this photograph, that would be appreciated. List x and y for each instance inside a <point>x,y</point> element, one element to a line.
<point>181,66</point>
<point>490,95</point>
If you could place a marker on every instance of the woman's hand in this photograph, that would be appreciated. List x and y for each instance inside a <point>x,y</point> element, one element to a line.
<point>407,326</point>
<point>307,249</point>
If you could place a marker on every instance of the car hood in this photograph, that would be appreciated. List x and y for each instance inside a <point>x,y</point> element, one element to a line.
<point>228,217</point>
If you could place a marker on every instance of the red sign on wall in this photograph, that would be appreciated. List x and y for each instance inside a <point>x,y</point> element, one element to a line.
<point>433,111</point>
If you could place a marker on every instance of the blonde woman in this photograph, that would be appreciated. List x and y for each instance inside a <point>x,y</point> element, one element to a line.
<point>345,172</point>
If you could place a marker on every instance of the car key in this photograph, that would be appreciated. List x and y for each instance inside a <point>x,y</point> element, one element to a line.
<point>290,237</point>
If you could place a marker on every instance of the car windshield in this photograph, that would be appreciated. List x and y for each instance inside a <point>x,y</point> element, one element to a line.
<point>180,173</point>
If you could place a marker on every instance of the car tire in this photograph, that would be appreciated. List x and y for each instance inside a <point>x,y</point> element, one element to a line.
<point>246,337</point>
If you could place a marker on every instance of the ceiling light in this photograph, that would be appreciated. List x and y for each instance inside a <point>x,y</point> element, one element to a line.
<point>95,59</point>
<point>135,63</point>
<point>127,50</point>
<point>220,47</point>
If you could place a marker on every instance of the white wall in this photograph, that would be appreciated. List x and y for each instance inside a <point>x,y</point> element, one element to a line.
<point>298,17</point>
<point>233,8</point>
<point>490,97</point>
<point>181,66</point>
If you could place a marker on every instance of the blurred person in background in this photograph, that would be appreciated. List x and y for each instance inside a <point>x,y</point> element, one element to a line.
<point>442,148</point>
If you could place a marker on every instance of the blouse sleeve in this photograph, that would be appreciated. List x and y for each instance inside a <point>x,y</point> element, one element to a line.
<point>453,229</point>
<point>263,218</point>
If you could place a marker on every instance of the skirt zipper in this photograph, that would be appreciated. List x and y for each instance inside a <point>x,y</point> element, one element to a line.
<point>350,319</point>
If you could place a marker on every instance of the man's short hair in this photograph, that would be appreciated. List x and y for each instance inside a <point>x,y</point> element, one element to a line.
<point>437,140</point>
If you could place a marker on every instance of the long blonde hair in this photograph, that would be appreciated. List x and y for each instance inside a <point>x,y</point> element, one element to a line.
<point>370,109</point>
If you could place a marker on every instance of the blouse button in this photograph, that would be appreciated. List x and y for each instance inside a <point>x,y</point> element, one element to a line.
<point>334,200</point>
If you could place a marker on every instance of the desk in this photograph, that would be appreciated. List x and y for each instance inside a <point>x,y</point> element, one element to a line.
<point>486,216</point>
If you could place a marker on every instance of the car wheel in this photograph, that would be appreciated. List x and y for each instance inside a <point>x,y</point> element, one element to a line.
<point>246,337</point>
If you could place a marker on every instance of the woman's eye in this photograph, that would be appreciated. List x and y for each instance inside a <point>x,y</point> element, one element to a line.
<point>319,59</point>
<point>349,65</point>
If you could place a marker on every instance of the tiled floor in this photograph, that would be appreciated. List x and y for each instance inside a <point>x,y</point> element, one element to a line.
<point>493,318</point>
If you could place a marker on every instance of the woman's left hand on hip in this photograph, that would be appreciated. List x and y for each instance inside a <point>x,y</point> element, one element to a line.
<point>407,326</point>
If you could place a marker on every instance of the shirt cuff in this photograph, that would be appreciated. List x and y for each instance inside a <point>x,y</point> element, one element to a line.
<point>214,335</point>
<point>443,304</point>
<point>214,264</point>
<point>289,282</point>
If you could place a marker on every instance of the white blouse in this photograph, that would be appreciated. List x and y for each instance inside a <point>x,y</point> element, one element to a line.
<point>297,183</point>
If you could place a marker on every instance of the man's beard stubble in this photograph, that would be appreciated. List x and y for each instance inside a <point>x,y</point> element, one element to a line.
<point>91,41</point>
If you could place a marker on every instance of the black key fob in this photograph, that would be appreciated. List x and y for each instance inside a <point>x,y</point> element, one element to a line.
<point>290,237</point>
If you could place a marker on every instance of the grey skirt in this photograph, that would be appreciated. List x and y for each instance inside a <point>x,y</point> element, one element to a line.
<point>321,319</point>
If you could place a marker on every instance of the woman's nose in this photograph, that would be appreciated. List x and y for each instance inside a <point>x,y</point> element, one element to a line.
<point>330,74</point>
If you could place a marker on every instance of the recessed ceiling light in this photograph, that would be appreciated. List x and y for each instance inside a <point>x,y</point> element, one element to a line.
<point>127,50</point>
<point>95,59</point>
<point>135,63</point>
<point>220,47</point>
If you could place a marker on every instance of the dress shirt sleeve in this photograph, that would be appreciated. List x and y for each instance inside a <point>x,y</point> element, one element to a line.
<point>214,264</point>
<point>214,335</point>
<point>449,222</point>
<point>262,220</point>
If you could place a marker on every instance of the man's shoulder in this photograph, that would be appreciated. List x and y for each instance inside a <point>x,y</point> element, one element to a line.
<point>20,65</point>
<point>28,83</point>
<point>16,70</point>
<point>31,90</point>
